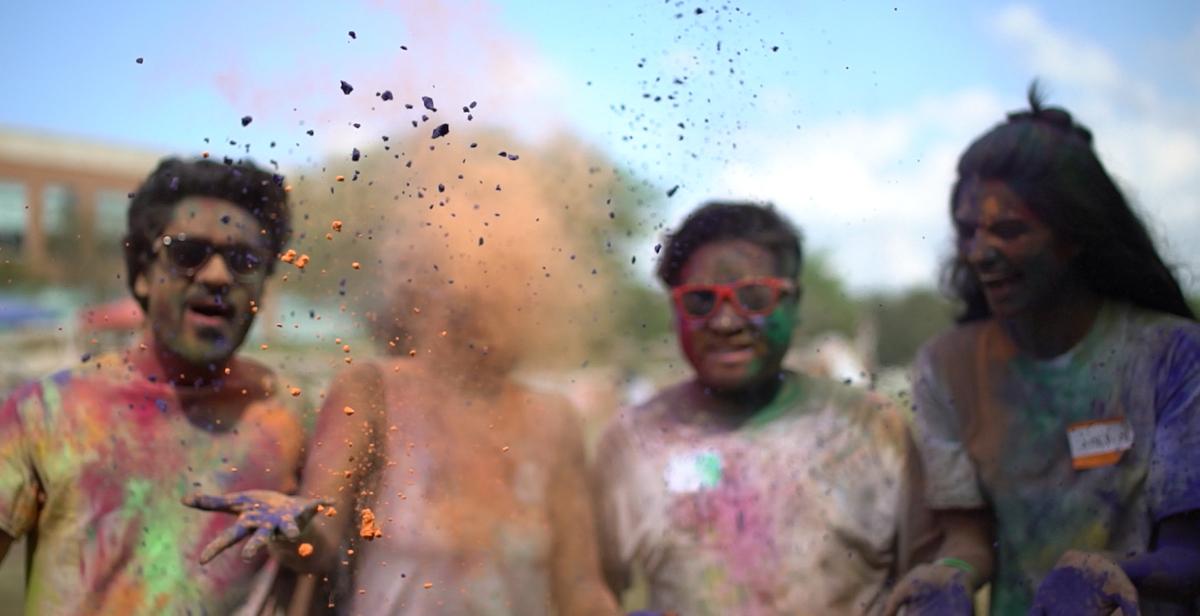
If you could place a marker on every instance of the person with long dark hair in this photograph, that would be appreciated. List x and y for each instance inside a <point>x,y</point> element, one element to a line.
<point>1061,417</point>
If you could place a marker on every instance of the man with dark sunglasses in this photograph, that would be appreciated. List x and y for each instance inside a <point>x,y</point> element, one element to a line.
<point>95,460</point>
<point>748,489</point>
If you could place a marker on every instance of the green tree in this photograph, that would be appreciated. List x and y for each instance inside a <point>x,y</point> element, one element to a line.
<point>904,321</point>
<point>827,305</point>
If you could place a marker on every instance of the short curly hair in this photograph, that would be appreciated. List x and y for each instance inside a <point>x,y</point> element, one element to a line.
<point>243,183</point>
<point>715,221</point>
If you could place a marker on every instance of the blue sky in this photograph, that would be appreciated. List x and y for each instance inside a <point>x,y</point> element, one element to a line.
<point>849,115</point>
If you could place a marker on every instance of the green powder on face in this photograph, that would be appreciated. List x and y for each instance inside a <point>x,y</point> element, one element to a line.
<point>779,325</point>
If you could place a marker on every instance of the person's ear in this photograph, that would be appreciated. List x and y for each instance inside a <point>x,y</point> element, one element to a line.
<point>141,287</point>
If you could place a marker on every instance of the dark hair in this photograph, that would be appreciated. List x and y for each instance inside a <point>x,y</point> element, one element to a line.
<point>716,221</point>
<point>1047,159</point>
<point>242,183</point>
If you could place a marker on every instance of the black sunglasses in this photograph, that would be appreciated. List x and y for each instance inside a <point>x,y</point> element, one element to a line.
<point>191,254</point>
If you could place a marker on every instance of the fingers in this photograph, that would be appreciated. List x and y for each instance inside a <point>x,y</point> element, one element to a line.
<point>228,537</point>
<point>258,541</point>
<point>230,503</point>
<point>900,595</point>
<point>290,529</point>
<point>310,509</point>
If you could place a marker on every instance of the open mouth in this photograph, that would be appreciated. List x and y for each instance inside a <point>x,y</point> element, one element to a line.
<point>999,283</point>
<point>732,355</point>
<point>210,310</point>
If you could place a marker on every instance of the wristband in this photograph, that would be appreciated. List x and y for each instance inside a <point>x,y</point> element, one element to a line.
<point>957,563</point>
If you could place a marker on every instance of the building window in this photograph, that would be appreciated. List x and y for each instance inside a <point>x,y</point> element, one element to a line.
<point>111,208</point>
<point>58,210</point>
<point>13,211</point>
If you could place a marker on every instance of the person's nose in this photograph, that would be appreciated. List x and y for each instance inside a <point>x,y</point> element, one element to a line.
<point>215,272</point>
<point>981,254</point>
<point>725,319</point>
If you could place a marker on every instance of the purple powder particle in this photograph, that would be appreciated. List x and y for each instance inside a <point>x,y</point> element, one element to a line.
<point>387,95</point>
<point>246,120</point>
<point>347,88</point>
<point>428,102</point>
<point>441,131</point>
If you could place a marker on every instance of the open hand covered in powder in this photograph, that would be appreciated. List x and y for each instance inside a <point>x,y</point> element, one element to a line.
<point>262,515</point>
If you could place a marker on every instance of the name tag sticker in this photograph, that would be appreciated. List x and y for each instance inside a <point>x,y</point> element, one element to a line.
<point>1099,443</point>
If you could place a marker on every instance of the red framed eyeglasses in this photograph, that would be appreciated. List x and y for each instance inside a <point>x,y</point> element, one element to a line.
<point>752,297</point>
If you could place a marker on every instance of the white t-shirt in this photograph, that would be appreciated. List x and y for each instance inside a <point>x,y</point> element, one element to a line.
<point>792,511</point>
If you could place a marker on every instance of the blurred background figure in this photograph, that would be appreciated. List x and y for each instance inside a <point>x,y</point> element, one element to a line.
<point>748,488</point>
<point>1061,417</point>
<point>458,488</point>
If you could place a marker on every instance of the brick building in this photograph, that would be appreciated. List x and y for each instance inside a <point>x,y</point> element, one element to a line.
<point>63,202</point>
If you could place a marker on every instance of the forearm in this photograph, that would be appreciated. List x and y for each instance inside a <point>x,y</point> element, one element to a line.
<point>1172,568</point>
<point>1170,571</point>
<point>967,539</point>
<point>979,562</point>
<point>339,463</point>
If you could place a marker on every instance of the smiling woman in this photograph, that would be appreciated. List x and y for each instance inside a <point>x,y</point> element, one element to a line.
<point>1062,414</point>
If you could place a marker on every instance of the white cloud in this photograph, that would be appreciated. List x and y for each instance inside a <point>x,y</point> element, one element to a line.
<point>1057,55</point>
<point>871,190</point>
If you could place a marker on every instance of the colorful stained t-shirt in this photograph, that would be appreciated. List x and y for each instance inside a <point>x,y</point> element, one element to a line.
<point>94,462</point>
<point>792,511</point>
<point>992,430</point>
